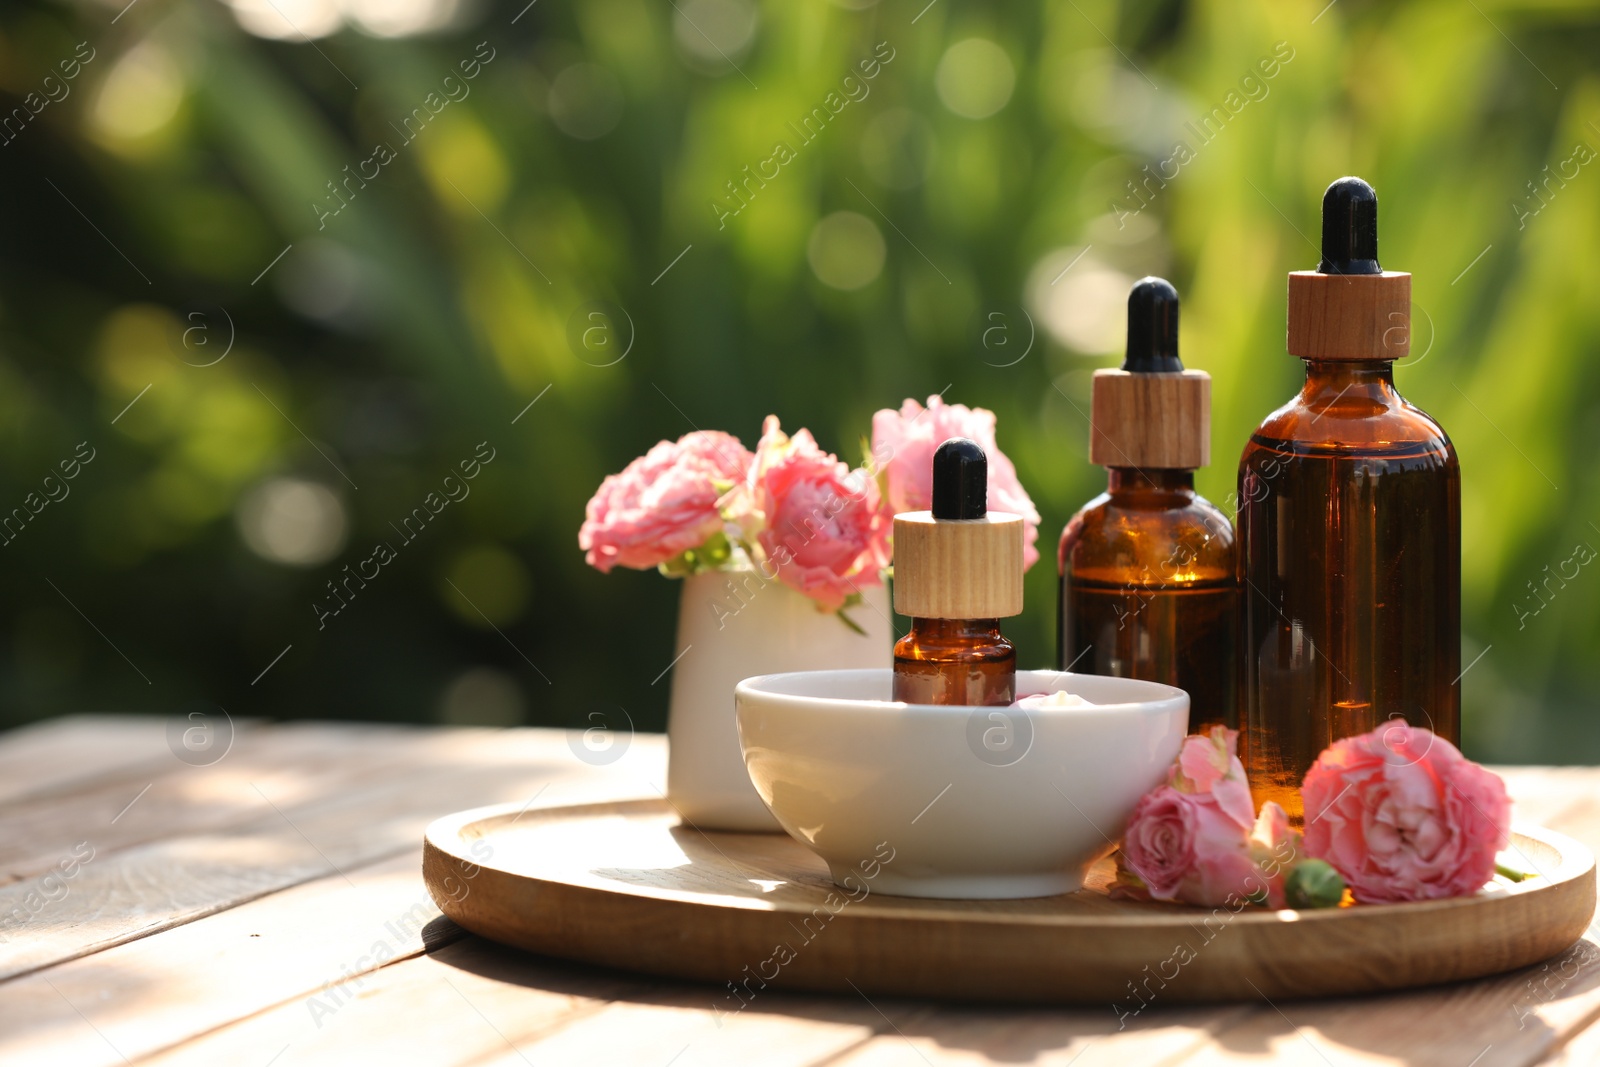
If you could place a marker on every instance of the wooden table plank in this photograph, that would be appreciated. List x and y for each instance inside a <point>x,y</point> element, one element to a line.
<point>1539,794</point>
<point>1088,1037</point>
<point>46,757</point>
<point>143,996</point>
<point>488,1004</point>
<point>311,949</point>
<point>135,892</point>
<point>1449,1027</point>
<point>672,1024</point>
<point>1582,1049</point>
<point>449,1007</point>
<point>216,970</point>
<point>293,764</point>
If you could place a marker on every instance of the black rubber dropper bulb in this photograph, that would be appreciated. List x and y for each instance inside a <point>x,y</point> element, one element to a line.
<point>1152,328</point>
<point>960,480</point>
<point>1349,228</point>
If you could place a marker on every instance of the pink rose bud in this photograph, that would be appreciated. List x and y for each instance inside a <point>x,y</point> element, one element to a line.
<point>1313,884</point>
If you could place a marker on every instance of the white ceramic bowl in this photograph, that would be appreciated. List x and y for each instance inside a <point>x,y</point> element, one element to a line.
<point>971,802</point>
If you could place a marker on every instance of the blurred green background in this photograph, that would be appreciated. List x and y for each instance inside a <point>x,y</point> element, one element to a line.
<point>301,377</point>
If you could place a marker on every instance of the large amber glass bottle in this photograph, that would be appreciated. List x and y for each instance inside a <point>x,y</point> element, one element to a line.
<point>1148,576</point>
<point>1349,526</point>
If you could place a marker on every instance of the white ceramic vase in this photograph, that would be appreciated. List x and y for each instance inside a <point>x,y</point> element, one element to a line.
<point>732,625</point>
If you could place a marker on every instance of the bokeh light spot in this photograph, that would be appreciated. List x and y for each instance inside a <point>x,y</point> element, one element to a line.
<point>585,101</point>
<point>140,95</point>
<point>490,586</point>
<point>322,281</point>
<point>292,521</point>
<point>714,34</point>
<point>846,250</point>
<point>399,18</point>
<point>285,20</point>
<point>466,167</point>
<point>1082,304</point>
<point>1102,95</point>
<point>482,696</point>
<point>975,78</point>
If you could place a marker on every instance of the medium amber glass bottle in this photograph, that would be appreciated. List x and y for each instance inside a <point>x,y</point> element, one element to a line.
<point>958,571</point>
<point>1148,576</point>
<point>1349,525</point>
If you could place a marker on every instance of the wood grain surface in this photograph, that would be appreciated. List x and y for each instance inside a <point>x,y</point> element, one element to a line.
<point>1150,420</point>
<point>958,569</point>
<point>289,961</point>
<point>1349,316</point>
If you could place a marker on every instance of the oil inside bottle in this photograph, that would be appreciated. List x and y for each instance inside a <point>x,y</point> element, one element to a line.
<point>1352,560</point>
<point>955,661</point>
<point>1129,632</point>
<point>1148,591</point>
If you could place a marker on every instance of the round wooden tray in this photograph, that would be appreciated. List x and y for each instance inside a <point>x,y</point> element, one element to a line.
<point>626,886</point>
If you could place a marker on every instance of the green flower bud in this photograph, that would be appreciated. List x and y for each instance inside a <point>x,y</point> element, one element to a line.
<point>1313,884</point>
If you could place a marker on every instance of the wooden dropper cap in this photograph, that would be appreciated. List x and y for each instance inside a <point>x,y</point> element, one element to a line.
<point>1152,412</point>
<point>1349,308</point>
<point>959,560</point>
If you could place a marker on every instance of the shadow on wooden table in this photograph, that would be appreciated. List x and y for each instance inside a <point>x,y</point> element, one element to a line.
<point>1512,1018</point>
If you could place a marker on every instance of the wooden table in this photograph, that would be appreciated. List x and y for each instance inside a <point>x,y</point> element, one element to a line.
<point>268,908</point>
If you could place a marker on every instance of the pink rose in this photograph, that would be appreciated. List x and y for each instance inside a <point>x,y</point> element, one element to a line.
<point>1275,849</point>
<point>1158,846</point>
<point>1197,839</point>
<point>819,524</point>
<point>1209,763</point>
<point>663,503</point>
<point>1185,846</point>
<point>903,443</point>
<point>1403,815</point>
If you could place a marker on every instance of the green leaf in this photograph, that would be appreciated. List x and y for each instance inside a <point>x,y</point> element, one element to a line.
<point>712,555</point>
<point>853,600</point>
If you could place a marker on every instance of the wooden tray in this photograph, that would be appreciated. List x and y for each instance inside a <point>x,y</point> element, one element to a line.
<point>626,886</point>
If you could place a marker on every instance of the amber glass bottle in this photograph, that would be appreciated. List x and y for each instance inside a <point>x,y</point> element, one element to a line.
<point>955,661</point>
<point>1349,525</point>
<point>1148,575</point>
<point>958,570</point>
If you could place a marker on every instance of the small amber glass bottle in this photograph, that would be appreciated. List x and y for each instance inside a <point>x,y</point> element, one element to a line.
<point>1349,525</point>
<point>955,661</point>
<point>1148,575</point>
<point>958,571</point>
